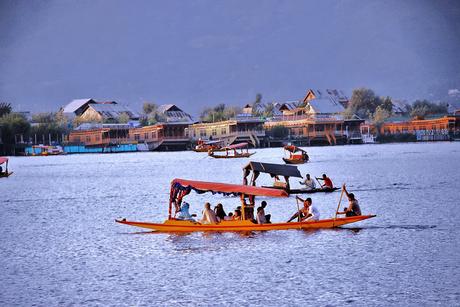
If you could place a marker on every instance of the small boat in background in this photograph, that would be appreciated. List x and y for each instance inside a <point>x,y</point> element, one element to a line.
<point>296,155</point>
<point>203,146</point>
<point>4,160</point>
<point>45,150</point>
<point>233,151</point>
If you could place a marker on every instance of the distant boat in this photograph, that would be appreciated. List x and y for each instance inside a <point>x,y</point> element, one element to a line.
<point>45,150</point>
<point>296,155</point>
<point>234,151</point>
<point>4,174</point>
<point>203,146</point>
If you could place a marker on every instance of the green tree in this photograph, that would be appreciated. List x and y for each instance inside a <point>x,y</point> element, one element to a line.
<point>5,108</point>
<point>12,127</point>
<point>269,108</point>
<point>363,103</point>
<point>123,118</point>
<point>380,115</point>
<point>256,105</point>
<point>422,108</point>
<point>386,104</point>
<point>149,108</point>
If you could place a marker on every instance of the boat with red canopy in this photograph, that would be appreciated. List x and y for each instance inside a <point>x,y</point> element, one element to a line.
<point>4,173</point>
<point>296,155</point>
<point>240,150</point>
<point>206,146</point>
<point>182,187</point>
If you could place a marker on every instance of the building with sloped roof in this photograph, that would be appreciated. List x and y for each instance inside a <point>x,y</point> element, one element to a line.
<point>107,112</point>
<point>173,114</point>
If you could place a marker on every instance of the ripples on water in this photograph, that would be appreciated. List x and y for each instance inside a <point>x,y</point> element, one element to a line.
<point>60,246</point>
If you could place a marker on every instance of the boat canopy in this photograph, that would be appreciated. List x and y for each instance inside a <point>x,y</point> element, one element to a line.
<point>293,149</point>
<point>236,146</point>
<point>223,188</point>
<point>3,160</point>
<point>213,142</point>
<point>273,169</point>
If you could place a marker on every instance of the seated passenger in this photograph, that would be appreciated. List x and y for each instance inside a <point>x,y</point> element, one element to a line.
<point>184,213</point>
<point>229,217</point>
<point>353,208</point>
<point>209,217</point>
<point>262,207</point>
<point>219,211</point>
<point>327,182</point>
<point>237,215</point>
<point>309,183</point>
<point>260,217</point>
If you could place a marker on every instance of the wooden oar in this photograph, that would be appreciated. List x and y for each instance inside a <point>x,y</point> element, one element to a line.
<point>338,205</point>
<point>298,212</point>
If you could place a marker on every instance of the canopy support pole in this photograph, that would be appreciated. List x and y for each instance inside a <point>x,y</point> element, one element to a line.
<point>338,205</point>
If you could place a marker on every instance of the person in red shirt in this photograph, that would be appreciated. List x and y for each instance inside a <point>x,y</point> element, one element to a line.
<point>327,182</point>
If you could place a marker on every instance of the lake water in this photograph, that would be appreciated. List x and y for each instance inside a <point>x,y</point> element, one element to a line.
<point>60,245</point>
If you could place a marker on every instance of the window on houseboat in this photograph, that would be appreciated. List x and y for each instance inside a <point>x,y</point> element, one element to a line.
<point>146,136</point>
<point>223,131</point>
<point>214,132</point>
<point>88,138</point>
<point>137,137</point>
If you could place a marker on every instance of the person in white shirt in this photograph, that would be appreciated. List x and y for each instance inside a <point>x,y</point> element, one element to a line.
<point>209,217</point>
<point>309,183</point>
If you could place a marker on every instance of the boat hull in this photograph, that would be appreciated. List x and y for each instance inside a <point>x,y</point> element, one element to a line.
<point>5,175</point>
<point>294,161</point>
<point>188,226</point>
<point>305,191</point>
<point>244,155</point>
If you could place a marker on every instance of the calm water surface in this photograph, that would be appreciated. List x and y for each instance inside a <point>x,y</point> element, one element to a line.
<point>60,245</point>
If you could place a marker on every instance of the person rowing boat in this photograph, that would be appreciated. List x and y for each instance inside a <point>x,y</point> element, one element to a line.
<point>353,208</point>
<point>307,213</point>
<point>327,182</point>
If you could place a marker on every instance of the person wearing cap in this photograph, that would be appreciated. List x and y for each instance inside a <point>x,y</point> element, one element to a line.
<point>309,183</point>
<point>353,208</point>
<point>327,182</point>
<point>307,212</point>
<point>184,213</point>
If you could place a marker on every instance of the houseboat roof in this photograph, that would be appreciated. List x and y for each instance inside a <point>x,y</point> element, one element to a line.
<point>274,169</point>
<point>236,146</point>
<point>326,105</point>
<point>225,188</point>
<point>114,110</point>
<point>76,104</point>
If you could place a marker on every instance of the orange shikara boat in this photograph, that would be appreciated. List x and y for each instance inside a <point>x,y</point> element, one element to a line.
<point>232,152</point>
<point>296,155</point>
<point>181,187</point>
<point>4,173</point>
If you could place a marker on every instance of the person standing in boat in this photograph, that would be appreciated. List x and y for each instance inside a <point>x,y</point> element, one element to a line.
<point>353,208</point>
<point>209,217</point>
<point>309,183</point>
<point>327,182</point>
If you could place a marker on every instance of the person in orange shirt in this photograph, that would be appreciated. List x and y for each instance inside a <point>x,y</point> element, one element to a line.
<point>327,182</point>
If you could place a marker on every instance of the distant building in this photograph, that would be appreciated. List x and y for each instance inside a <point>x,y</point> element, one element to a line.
<point>241,129</point>
<point>337,96</point>
<point>107,112</point>
<point>76,107</point>
<point>173,114</point>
